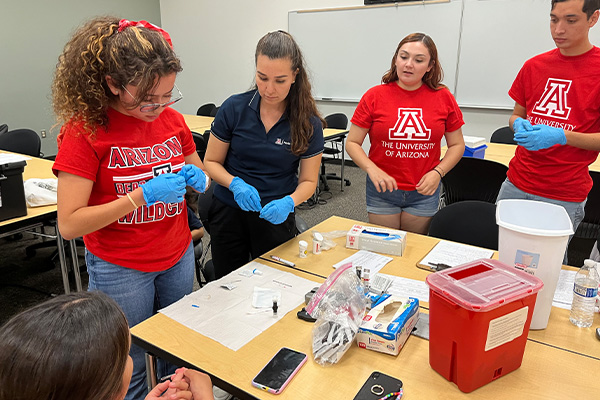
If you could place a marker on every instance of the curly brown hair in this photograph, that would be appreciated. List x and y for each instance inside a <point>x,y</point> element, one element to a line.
<point>434,77</point>
<point>136,56</point>
<point>300,105</point>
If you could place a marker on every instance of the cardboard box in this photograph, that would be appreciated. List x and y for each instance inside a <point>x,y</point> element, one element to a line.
<point>387,326</point>
<point>381,240</point>
<point>12,192</point>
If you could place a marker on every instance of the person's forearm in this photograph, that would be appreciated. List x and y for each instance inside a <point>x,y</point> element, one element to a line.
<point>92,218</point>
<point>359,157</point>
<point>586,141</point>
<point>218,173</point>
<point>303,191</point>
<point>452,157</point>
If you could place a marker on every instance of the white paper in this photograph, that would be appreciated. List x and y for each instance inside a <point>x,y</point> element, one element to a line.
<point>227,316</point>
<point>366,259</point>
<point>404,287</point>
<point>9,158</point>
<point>454,254</point>
<point>563,296</point>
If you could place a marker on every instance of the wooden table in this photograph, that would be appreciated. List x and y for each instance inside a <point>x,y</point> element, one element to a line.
<point>198,123</point>
<point>37,216</point>
<point>560,362</point>
<point>330,135</point>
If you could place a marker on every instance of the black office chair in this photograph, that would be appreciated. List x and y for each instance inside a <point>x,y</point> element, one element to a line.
<point>206,110</point>
<point>214,112</point>
<point>588,231</point>
<point>473,179</point>
<point>23,141</point>
<point>334,148</point>
<point>200,142</point>
<point>503,135</point>
<point>470,222</point>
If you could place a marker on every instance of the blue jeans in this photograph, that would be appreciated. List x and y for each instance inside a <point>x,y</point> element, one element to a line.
<point>575,210</point>
<point>140,295</point>
<point>398,201</point>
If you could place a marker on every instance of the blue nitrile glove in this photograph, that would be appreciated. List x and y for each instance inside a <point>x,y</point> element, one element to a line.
<point>168,188</point>
<point>194,177</point>
<point>521,125</point>
<point>541,137</point>
<point>277,211</point>
<point>245,195</point>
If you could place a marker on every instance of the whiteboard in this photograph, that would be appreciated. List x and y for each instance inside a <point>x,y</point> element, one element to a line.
<point>347,51</point>
<point>498,36</point>
<point>482,45</point>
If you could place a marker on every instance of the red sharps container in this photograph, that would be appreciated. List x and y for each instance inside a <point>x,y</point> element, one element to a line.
<point>479,316</point>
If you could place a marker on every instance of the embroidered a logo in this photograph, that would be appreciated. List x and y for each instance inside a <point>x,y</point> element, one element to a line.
<point>410,125</point>
<point>553,102</point>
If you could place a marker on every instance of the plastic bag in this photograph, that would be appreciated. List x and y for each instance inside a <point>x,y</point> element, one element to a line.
<point>339,306</point>
<point>328,237</point>
<point>40,192</point>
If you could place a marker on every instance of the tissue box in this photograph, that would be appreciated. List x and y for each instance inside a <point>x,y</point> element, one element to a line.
<point>474,146</point>
<point>381,240</point>
<point>387,326</point>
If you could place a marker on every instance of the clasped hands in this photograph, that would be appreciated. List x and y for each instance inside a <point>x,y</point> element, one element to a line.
<point>170,188</point>
<point>247,197</point>
<point>537,137</point>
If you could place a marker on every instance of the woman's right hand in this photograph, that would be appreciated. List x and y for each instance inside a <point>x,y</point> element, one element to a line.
<point>382,181</point>
<point>168,188</point>
<point>245,195</point>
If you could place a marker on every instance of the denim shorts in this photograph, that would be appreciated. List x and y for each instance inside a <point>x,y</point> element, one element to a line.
<point>399,201</point>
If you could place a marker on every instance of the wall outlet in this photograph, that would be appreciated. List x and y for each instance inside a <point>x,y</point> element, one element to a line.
<point>43,133</point>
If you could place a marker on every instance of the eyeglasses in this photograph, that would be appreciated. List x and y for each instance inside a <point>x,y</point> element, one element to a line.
<point>146,108</point>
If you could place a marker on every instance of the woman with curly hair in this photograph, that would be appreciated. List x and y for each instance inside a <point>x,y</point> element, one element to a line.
<point>406,118</point>
<point>124,159</point>
<point>261,137</point>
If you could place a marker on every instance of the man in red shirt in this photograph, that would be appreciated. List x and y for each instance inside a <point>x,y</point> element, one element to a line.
<point>556,118</point>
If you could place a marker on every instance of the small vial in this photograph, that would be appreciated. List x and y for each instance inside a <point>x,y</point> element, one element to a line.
<point>317,242</point>
<point>275,306</point>
<point>359,272</point>
<point>367,278</point>
<point>302,249</point>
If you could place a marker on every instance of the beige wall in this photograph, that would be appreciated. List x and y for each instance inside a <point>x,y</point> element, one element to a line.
<point>33,35</point>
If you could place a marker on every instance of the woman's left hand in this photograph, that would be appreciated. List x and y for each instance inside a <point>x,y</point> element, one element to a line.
<point>195,177</point>
<point>429,183</point>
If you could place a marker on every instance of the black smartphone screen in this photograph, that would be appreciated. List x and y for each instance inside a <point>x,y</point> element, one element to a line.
<point>277,372</point>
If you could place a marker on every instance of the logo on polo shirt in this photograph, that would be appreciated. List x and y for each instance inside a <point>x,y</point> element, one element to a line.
<point>553,102</point>
<point>281,142</point>
<point>410,125</point>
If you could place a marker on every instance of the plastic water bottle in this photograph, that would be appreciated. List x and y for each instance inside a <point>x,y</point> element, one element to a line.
<point>584,295</point>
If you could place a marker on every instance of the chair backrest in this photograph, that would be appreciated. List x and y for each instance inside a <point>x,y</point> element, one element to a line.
<point>503,135</point>
<point>473,179</point>
<point>337,121</point>
<point>200,144</point>
<point>206,110</point>
<point>214,112</point>
<point>24,141</point>
<point>3,128</point>
<point>469,222</point>
<point>204,202</point>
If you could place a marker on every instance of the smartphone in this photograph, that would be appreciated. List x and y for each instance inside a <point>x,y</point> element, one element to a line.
<point>378,385</point>
<point>275,376</point>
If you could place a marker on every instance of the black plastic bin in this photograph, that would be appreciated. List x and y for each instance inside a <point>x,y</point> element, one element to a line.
<point>12,192</point>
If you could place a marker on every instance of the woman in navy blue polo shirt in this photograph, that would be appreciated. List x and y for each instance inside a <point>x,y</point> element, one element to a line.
<point>262,137</point>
